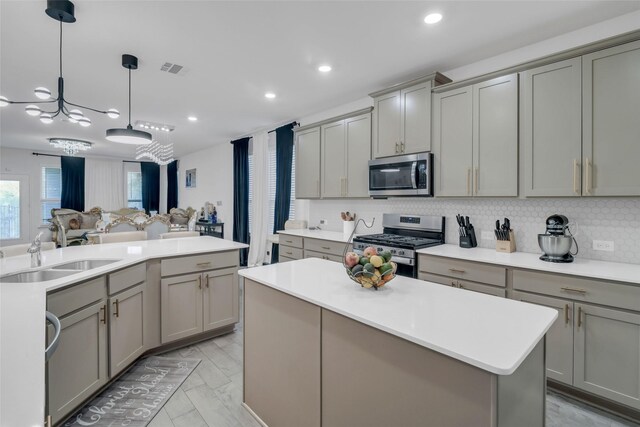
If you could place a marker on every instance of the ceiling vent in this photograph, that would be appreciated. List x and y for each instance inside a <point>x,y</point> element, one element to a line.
<point>171,68</point>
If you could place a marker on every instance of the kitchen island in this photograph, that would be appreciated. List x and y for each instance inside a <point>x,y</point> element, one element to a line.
<point>321,350</point>
<point>141,266</point>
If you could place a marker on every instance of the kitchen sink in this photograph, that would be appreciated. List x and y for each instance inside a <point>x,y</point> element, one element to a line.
<point>36,276</point>
<point>86,264</point>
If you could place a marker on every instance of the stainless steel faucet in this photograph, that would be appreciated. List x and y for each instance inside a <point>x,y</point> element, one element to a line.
<point>34,250</point>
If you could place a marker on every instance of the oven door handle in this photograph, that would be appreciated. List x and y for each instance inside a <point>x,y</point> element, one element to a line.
<point>414,169</point>
<point>403,260</point>
<point>56,337</point>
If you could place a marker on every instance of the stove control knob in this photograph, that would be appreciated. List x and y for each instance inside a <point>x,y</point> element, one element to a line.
<point>400,252</point>
<point>393,251</point>
<point>380,250</point>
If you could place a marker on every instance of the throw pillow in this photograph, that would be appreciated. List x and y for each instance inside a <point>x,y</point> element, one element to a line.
<point>74,224</point>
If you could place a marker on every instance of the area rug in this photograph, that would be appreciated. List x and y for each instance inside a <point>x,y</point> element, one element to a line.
<point>137,396</point>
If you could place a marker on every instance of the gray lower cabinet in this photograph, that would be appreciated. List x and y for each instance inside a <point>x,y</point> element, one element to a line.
<point>126,327</point>
<point>607,353</point>
<point>559,344</point>
<point>199,302</point>
<point>552,119</point>
<point>290,248</point>
<point>79,366</point>
<point>476,139</point>
<point>307,144</point>
<point>221,303</point>
<point>610,125</point>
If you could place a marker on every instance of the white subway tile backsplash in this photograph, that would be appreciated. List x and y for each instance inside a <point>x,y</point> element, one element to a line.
<point>612,219</point>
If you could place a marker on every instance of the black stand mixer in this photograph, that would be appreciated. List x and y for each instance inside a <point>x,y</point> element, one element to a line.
<point>558,240</point>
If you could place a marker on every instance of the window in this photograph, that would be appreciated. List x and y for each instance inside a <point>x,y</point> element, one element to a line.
<point>134,190</point>
<point>9,209</point>
<point>51,190</point>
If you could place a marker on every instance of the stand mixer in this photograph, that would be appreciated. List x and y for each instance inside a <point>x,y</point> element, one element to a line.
<point>556,243</point>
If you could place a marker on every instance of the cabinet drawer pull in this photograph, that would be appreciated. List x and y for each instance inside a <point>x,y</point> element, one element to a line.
<point>199,282</point>
<point>288,241</point>
<point>579,316</point>
<point>103,309</point>
<point>203,264</point>
<point>116,313</point>
<point>475,183</point>
<point>326,247</point>
<point>289,253</point>
<point>566,314</point>
<point>468,181</point>
<point>453,270</point>
<point>575,177</point>
<point>576,290</point>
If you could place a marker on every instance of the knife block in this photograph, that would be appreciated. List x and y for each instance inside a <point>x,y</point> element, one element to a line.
<point>507,246</point>
<point>469,241</point>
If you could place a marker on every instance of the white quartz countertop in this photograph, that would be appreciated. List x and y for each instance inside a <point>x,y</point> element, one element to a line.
<point>494,334</point>
<point>335,236</point>
<point>126,253</point>
<point>604,270</point>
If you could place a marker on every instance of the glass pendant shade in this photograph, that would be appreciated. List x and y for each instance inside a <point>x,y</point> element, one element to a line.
<point>42,92</point>
<point>3,101</point>
<point>46,118</point>
<point>32,110</point>
<point>113,113</point>
<point>76,114</point>
<point>84,122</point>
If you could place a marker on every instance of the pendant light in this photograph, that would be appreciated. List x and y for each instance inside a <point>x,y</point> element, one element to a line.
<point>129,135</point>
<point>62,11</point>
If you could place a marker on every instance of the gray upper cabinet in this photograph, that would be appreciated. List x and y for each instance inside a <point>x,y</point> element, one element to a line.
<point>401,117</point>
<point>346,150</point>
<point>308,160</point>
<point>495,137</point>
<point>386,125</point>
<point>611,129</point>
<point>552,118</point>
<point>475,132</point>
<point>452,142</point>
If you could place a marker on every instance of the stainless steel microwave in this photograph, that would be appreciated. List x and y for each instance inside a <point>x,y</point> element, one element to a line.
<point>410,175</point>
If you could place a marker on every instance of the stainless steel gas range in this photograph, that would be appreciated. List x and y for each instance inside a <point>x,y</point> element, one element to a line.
<point>403,235</point>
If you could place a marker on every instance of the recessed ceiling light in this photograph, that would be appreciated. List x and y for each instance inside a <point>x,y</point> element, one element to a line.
<point>192,118</point>
<point>270,95</point>
<point>324,68</point>
<point>433,18</point>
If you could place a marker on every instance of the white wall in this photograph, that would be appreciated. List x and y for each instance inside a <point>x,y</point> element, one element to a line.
<point>214,182</point>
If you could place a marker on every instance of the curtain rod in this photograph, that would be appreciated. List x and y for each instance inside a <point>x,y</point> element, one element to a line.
<point>43,154</point>
<point>249,135</point>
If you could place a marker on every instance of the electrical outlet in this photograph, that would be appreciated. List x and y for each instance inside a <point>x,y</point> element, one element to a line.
<point>324,222</point>
<point>487,235</point>
<point>603,245</point>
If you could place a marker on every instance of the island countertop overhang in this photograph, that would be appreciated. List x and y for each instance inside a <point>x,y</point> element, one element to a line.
<point>490,333</point>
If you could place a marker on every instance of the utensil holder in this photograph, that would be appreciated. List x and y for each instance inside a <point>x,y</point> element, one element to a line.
<point>348,227</point>
<point>469,241</point>
<point>507,246</point>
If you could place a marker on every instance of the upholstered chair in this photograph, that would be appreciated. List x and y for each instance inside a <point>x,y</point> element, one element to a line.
<point>178,234</point>
<point>124,236</point>
<point>120,225</point>
<point>14,250</point>
<point>155,226</point>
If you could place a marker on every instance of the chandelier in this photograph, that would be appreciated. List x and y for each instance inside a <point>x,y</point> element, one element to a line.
<point>63,11</point>
<point>70,146</point>
<point>161,154</point>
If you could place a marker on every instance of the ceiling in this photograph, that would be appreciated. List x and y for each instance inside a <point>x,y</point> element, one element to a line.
<point>235,51</point>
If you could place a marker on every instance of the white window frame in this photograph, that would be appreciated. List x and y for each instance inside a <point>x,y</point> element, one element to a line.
<point>43,220</point>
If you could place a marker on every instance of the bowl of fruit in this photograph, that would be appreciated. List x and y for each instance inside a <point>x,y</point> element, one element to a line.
<point>371,269</point>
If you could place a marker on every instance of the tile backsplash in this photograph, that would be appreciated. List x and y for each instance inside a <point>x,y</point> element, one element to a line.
<point>612,219</point>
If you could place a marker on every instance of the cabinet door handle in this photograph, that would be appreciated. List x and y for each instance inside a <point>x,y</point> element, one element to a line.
<point>475,183</point>
<point>346,186</point>
<point>468,181</point>
<point>206,282</point>
<point>579,316</point>
<point>460,285</point>
<point>566,314</point>
<point>587,175</point>
<point>576,175</point>
<point>396,148</point>
<point>203,264</point>
<point>575,290</point>
<point>199,282</point>
<point>453,284</point>
<point>116,313</point>
<point>401,147</point>
<point>103,309</point>
<point>318,187</point>
<point>453,270</point>
<point>48,422</point>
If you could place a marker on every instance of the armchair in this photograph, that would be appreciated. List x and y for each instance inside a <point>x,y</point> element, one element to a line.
<point>121,224</point>
<point>155,226</point>
<point>62,220</point>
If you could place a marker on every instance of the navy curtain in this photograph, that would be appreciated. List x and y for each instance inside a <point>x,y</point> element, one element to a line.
<point>284,160</point>
<point>172,185</point>
<point>150,186</point>
<point>241,194</point>
<point>72,174</point>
